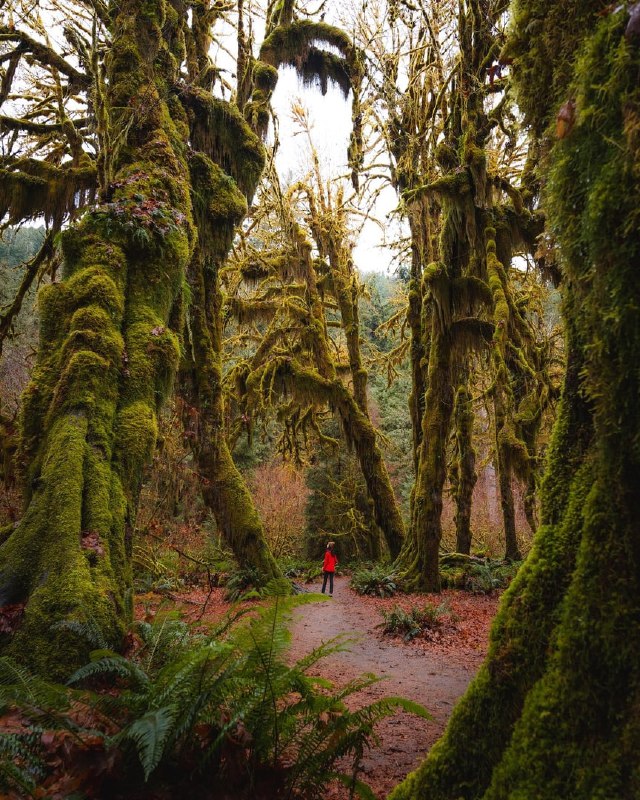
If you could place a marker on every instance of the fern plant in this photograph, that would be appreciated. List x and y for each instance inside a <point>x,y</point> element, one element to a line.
<point>242,584</point>
<point>225,703</point>
<point>415,621</point>
<point>377,581</point>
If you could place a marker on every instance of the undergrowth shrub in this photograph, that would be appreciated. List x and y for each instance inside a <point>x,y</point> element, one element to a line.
<point>304,570</point>
<point>241,583</point>
<point>183,711</point>
<point>416,621</point>
<point>155,572</point>
<point>476,574</point>
<point>378,581</point>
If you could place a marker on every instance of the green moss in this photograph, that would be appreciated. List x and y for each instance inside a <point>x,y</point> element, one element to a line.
<point>265,76</point>
<point>136,433</point>
<point>221,133</point>
<point>45,562</point>
<point>93,287</point>
<point>31,189</point>
<point>543,41</point>
<point>286,43</point>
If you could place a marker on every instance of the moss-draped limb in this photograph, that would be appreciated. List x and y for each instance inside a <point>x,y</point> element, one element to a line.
<point>308,46</point>
<point>106,361</point>
<point>554,710</point>
<point>32,189</point>
<point>329,229</point>
<point>344,287</point>
<point>285,376</point>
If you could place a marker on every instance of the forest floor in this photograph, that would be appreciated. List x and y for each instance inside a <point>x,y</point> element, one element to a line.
<point>433,669</point>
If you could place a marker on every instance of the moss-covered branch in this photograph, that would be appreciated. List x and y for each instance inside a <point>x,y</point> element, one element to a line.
<point>45,55</point>
<point>31,189</point>
<point>284,376</point>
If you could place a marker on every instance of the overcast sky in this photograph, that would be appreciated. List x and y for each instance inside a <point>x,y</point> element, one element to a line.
<point>330,116</point>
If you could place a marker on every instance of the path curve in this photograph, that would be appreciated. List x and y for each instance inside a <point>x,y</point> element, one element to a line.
<point>434,679</point>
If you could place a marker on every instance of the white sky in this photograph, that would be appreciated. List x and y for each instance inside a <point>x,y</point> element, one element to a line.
<point>330,116</point>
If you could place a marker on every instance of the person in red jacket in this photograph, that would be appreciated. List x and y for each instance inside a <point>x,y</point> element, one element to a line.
<point>329,567</point>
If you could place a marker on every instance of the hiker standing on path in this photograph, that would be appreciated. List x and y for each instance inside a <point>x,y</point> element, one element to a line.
<point>329,567</point>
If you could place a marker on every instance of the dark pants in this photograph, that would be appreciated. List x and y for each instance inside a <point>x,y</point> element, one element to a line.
<point>324,582</point>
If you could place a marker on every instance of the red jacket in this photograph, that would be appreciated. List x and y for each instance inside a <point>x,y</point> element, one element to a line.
<point>330,561</point>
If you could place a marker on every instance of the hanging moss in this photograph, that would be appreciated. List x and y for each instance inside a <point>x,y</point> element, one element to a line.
<point>293,44</point>
<point>284,376</point>
<point>218,204</point>
<point>31,189</point>
<point>220,132</point>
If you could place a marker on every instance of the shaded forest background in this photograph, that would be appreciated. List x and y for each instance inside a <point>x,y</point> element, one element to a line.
<point>303,503</point>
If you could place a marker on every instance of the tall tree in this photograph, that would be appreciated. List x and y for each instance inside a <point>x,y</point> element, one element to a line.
<point>109,330</point>
<point>226,164</point>
<point>295,357</point>
<point>553,711</point>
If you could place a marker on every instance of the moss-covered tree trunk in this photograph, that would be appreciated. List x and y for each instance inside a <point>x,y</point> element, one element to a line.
<point>504,472</point>
<point>507,443</point>
<point>553,711</point>
<point>106,361</point>
<point>464,477</point>
<point>224,489</point>
<point>454,292</point>
<point>418,221</point>
<point>219,205</point>
<point>418,564</point>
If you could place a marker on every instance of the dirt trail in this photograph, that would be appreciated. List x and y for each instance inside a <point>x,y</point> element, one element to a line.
<point>433,674</point>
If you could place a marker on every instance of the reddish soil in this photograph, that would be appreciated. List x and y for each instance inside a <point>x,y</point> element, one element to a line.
<point>432,671</point>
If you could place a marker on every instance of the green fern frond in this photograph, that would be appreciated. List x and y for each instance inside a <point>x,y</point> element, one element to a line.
<point>150,735</point>
<point>105,662</point>
<point>89,631</point>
